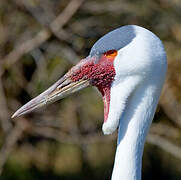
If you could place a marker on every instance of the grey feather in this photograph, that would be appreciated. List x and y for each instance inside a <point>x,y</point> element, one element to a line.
<point>115,39</point>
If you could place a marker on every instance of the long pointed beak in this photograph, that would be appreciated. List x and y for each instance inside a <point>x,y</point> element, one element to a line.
<point>63,87</point>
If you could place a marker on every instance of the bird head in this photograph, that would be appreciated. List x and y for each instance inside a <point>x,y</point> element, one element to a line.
<point>116,56</point>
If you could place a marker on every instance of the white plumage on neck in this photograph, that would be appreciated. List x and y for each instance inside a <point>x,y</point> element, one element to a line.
<point>140,72</point>
<point>134,125</point>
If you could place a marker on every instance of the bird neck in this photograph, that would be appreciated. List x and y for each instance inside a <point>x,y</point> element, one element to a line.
<point>134,124</point>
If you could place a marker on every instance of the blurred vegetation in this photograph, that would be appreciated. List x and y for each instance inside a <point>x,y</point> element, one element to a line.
<point>39,41</point>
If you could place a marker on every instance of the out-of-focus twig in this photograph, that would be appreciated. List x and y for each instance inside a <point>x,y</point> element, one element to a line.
<point>170,105</point>
<point>25,47</point>
<point>5,123</point>
<point>76,139</point>
<point>165,145</point>
<point>43,35</point>
<point>167,131</point>
<point>42,12</point>
<point>109,6</point>
<point>64,17</point>
<point>11,141</point>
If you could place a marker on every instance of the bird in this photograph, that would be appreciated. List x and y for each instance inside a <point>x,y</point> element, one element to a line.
<point>128,66</point>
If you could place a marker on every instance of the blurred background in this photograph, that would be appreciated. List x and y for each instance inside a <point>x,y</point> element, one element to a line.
<point>39,41</point>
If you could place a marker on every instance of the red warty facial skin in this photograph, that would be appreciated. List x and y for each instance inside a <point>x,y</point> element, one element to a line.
<point>100,74</point>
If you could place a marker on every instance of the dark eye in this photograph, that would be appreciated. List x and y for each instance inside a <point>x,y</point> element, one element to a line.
<point>111,53</point>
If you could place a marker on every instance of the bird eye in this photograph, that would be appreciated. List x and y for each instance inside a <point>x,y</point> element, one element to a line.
<point>111,53</point>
